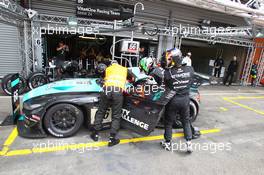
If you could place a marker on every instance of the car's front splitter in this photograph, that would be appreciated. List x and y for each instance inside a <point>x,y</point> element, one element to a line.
<point>24,130</point>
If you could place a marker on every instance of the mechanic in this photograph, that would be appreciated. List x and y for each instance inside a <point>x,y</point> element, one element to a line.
<point>62,52</point>
<point>231,70</point>
<point>178,78</point>
<point>112,95</point>
<point>187,61</point>
<point>254,73</point>
<point>166,63</point>
<point>218,64</point>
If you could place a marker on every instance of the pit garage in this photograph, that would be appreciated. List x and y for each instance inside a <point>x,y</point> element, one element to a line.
<point>230,121</point>
<point>230,118</point>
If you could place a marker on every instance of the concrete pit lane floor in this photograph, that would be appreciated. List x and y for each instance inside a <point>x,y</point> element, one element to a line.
<point>231,120</point>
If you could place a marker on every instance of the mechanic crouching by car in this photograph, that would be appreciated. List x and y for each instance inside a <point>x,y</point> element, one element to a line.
<point>112,95</point>
<point>178,78</point>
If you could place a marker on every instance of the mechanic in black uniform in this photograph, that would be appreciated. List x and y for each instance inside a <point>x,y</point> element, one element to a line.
<point>165,64</point>
<point>178,78</point>
<point>231,70</point>
<point>218,64</point>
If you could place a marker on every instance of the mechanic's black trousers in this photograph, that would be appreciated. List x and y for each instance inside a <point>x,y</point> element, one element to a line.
<point>114,99</point>
<point>217,72</point>
<point>229,75</point>
<point>180,105</point>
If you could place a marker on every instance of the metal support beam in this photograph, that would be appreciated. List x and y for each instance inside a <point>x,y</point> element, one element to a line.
<point>260,68</point>
<point>28,51</point>
<point>230,7</point>
<point>13,8</point>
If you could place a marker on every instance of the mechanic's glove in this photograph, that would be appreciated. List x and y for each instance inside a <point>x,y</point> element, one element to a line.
<point>100,81</point>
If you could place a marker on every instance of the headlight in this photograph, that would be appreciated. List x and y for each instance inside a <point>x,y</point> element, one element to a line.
<point>31,107</point>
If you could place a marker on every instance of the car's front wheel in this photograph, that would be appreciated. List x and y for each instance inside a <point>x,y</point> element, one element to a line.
<point>63,120</point>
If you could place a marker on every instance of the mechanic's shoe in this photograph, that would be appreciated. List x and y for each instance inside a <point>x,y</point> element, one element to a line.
<point>94,136</point>
<point>189,147</point>
<point>166,145</point>
<point>113,141</point>
<point>196,135</point>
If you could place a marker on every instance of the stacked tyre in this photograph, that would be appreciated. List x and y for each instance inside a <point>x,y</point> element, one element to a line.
<point>6,84</point>
<point>34,80</point>
<point>37,79</point>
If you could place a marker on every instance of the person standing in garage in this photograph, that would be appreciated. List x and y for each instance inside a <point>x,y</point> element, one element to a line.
<point>187,61</point>
<point>112,95</point>
<point>178,78</point>
<point>231,70</point>
<point>218,64</point>
<point>254,73</point>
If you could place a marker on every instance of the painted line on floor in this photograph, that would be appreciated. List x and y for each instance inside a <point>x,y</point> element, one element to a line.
<point>73,147</point>
<point>223,109</point>
<point>231,93</point>
<point>8,142</point>
<point>243,106</point>
<point>246,98</point>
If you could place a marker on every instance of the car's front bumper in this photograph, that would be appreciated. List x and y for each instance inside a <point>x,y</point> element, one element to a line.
<point>29,129</point>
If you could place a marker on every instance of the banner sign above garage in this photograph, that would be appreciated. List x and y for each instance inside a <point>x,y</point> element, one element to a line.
<point>103,9</point>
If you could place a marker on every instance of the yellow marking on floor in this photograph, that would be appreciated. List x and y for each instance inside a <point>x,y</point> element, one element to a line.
<point>223,109</point>
<point>245,98</point>
<point>8,142</point>
<point>95,144</point>
<point>11,138</point>
<point>4,151</point>
<point>18,152</point>
<point>243,106</point>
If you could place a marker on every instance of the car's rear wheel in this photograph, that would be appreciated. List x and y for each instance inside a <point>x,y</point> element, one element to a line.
<point>63,120</point>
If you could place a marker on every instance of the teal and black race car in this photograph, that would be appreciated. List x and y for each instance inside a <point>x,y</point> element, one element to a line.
<point>62,107</point>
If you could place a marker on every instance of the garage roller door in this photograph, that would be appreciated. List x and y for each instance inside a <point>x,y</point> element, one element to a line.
<point>10,57</point>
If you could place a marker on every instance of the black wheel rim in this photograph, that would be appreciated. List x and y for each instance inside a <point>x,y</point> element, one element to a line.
<point>38,81</point>
<point>63,121</point>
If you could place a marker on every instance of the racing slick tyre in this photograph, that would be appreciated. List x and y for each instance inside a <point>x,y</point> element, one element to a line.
<point>6,84</point>
<point>37,79</point>
<point>177,122</point>
<point>193,111</point>
<point>63,120</point>
<point>193,115</point>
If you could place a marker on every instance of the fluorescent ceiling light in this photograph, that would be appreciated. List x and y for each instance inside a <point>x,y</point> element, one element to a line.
<point>91,38</point>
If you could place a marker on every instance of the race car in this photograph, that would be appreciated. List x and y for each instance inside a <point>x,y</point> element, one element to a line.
<point>61,108</point>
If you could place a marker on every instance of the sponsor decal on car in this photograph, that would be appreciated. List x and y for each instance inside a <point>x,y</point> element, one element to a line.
<point>125,116</point>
